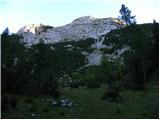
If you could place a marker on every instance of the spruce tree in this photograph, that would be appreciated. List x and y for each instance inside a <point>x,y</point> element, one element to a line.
<point>126,15</point>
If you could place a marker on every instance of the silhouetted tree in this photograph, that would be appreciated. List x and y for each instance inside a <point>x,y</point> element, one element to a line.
<point>155,47</point>
<point>13,54</point>
<point>6,31</point>
<point>126,15</point>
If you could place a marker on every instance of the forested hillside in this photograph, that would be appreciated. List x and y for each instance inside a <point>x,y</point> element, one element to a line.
<point>128,70</point>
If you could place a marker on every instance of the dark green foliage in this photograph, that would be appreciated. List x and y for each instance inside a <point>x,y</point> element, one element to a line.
<point>14,102</point>
<point>13,60</point>
<point>29,100</point>
<point>127,81</point>
<point>46,109</point>
<point>111,73</point>
<point>138,63</point>
<point>44,69</point>
<point>112,95</point>
<point>89,76</point>
<point>107,72</point>
<point>56,94</point>
<point>5,104</point>
<point>35,70</point>
<point>118,110</point>
<point>17,65</point>
<point>126,15</point>
<point>77,45</point>
<point>69,60</point>
<point>8,102</point>
<point>85,44</point>
<point>74,85</point>
<point>62,114</point>
<point>92,84</point>
<point>33,108</point>
<point>135,104</point>
<point>155,46</point>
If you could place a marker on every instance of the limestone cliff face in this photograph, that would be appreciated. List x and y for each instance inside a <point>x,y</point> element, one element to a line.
<point>80,28</point>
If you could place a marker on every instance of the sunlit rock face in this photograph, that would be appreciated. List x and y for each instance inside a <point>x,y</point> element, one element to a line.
<point>80,28</point>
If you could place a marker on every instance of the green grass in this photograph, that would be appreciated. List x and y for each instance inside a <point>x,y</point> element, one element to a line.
<point>135,104</point>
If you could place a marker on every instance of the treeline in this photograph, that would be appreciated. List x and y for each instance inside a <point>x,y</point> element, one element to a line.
<point>132,69</point>
<point>141,61</point>
<point>34,69</point>
<point>42,68</point>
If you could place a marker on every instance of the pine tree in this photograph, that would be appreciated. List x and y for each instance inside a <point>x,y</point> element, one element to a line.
<point>126,15</point>
<point>6,31</point>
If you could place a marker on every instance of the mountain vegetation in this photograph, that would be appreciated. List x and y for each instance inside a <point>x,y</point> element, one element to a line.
<point>44,69</point>
<point>57,80</point>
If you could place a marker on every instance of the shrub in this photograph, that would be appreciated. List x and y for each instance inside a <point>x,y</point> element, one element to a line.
<point>8,102</point>
<point>56,94</point>
<point>13,102</point>
<point>112,96</point>
<point>127,82</point>
<point>82,83</point>
<point>92,84</point>
<point>5,103</point>
<point>33,108</point>
<point>29,100</point>
<point>74,85</point>
<point>46,109</point>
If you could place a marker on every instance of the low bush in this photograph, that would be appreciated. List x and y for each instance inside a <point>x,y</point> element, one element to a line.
<point>56,94</point>
<point>29,100</point>
<point>8,102</point>
<point>112,96</point>
<point>74,85</point>
<point>92,84</point>
<point>33,108</point>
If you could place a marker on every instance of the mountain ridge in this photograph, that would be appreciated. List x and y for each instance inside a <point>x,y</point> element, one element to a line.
<point>80,28</point>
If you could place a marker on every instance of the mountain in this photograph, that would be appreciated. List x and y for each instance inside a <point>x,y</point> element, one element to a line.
<point>124,57</point>
<point>80,28</point>
<point>122,63</point>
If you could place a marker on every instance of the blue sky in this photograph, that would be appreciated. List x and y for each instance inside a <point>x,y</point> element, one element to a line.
<point>18,13</point>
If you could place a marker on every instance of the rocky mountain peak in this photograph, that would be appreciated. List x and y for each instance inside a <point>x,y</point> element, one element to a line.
<point>30,28</point>
<point>80,28</point>
<point>85,19</point>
